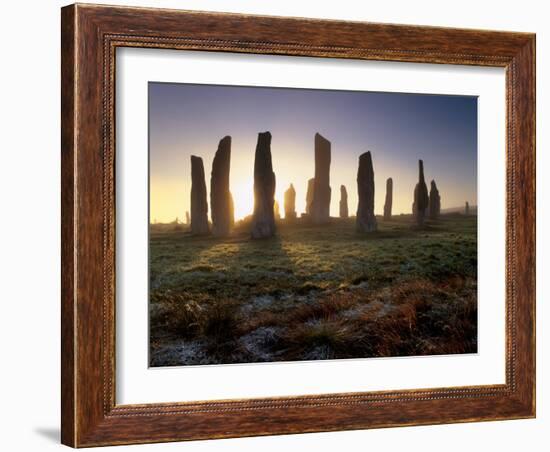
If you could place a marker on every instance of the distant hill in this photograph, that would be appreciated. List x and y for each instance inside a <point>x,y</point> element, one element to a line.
<point>473,210</point>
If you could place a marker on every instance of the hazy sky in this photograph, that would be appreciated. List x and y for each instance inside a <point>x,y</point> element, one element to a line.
<point>398,129</point>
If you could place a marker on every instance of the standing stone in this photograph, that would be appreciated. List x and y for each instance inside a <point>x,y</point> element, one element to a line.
<point>366,221</point>
<point>263,218</point>
<point>199,205</point>
<point>343,202</point>
<point>435,201</point>
<point>320,207</point>
<point>389,199</point>
<point>220,197</point>
<point>187,218</point>
<point>309,195</point>
<point>276,210</point>
<point>290,203</point>
<point>421,199</point>
<point>467,208</point>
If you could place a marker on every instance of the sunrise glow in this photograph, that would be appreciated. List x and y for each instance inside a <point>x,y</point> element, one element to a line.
<point>398,129</point>
<point>243,198</point>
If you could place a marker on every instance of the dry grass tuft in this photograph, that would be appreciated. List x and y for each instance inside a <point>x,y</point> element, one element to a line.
<point>326,308</point>
<point>172,312</point>
<point>321,339</point>
<point>221,321</point>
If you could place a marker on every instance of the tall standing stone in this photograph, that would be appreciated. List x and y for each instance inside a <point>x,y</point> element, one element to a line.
<point>467,208</point>
<point>199,204</point>
<point>435,201</point>
<point>320,207</point>
<point>220,197</point>
<point>421,199</point>
<point>366,221</point>
<point>187,217</point>
<point>389,199</point>
<point>263,218</point>
<point>343,202</point>
<point>290,203</point>
<point>309,195</point>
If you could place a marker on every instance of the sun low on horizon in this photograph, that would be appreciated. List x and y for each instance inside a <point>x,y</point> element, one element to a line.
<point>243,199</point>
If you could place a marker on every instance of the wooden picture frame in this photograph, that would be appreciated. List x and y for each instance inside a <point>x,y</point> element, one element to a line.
<point>90,36</point>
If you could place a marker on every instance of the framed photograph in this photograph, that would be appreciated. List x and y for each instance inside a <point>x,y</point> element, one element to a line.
<point>280,225</point>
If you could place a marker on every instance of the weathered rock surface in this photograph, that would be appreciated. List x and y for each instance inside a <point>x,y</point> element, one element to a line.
<point>389,199</point>
<point>344,213</point>
<point>435,201</point>
<point>290,203</point>
<point>199,204</point>
<point>366,221</point>
<point>421,198</point>
<point>309,195</point>
<point>263,218</point>
<point>320,207</point>
<point>220,198</point>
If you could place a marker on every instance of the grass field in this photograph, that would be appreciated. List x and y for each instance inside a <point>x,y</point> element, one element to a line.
<point>310,293</point>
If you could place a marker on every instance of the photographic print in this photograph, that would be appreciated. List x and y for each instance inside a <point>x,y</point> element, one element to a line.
<point>251,240</point>
<point>290,224</point>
